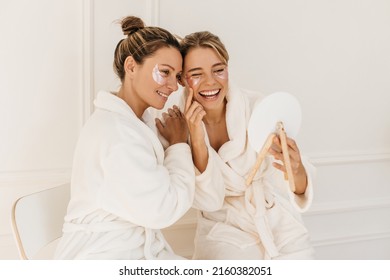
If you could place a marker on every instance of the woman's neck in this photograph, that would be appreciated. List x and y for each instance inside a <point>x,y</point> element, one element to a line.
<point>132,101</point>
<point>215,116</point>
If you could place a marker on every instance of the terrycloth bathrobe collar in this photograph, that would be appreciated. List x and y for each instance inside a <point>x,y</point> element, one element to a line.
<point>236,122</point>
<point>110,102</point>
<point>236,151</point>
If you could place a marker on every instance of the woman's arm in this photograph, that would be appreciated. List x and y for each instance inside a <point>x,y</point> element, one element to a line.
<point>300,176</point>
<point>194,114</point>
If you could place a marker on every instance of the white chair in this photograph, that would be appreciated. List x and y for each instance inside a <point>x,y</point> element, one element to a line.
<point>37,221</point>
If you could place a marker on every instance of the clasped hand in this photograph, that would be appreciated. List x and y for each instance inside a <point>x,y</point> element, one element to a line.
<point>174,128</point>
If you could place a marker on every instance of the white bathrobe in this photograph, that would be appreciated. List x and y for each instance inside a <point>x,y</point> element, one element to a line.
<point>124,188</point>
<point>260,221</point>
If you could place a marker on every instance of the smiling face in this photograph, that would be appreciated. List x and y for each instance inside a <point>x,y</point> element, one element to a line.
<point>207,74</point>
<point>155,79</point>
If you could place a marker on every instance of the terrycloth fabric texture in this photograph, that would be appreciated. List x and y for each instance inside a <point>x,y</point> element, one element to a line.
<point>260,221</point>
<point>124,188</point>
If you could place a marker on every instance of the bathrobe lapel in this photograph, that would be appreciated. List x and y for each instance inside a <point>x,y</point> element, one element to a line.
<point>110,102</point>
<point>236,160</point>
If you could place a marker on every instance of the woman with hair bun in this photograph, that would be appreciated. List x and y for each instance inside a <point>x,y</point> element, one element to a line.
<point>125,187</point>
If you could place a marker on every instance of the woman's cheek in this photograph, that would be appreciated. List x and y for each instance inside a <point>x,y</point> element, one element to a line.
<point>193,81</point>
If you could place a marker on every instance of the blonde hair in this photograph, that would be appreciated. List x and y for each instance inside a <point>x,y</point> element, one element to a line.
<point>204,39</point>
<point>141,42</point>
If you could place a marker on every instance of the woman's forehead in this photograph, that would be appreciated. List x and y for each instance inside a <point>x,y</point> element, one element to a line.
<point>166,56</point>
<point>202,57</point>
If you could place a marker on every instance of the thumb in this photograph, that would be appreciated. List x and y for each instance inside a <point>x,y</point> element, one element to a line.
<point>159,125</point>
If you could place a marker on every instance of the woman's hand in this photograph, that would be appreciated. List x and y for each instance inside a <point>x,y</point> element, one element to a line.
<point>297,167</point>
<point>174,129</point>
<point>194,114</point>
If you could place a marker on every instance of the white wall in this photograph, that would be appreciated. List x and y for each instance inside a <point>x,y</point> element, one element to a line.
<point>41,99</point>
<point>333,55</point>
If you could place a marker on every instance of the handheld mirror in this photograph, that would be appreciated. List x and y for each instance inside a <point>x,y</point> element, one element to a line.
<point>278,113</point>
<point>276,107</point>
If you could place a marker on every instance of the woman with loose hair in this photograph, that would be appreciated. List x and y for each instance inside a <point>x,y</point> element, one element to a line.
<point>236,221</point>
<point>125,187</point>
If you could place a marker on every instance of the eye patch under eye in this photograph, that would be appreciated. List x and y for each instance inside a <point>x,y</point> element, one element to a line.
<point>157,76</point>
<point>193,80</point>
<point>222,73</point>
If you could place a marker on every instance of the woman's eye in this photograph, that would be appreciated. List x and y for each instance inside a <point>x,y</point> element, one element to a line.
<point>219,70</point>
<point>165,73</point>
<point>195,75</point>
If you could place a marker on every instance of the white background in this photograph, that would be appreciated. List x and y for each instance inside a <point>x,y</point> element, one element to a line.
<point>333,55</point>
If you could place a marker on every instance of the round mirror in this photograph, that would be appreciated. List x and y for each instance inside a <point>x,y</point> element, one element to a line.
<point>267,112</point>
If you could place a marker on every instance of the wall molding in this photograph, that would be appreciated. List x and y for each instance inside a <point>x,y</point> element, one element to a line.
<point>87,65</point>
<point>317,209</point>
<point>327,208</point>
<point>351,239</point>
<point>349,158</point>
<point>320,209</point>
<point>87,49</point>
<point>154,12</point>
<point>11,178</point>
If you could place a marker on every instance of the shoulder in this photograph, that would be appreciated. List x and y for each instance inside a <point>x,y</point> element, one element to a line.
<point>251,96</point>
<point>111,127</point>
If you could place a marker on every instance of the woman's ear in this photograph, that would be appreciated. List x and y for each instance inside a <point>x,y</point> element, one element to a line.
<point>129,66</point>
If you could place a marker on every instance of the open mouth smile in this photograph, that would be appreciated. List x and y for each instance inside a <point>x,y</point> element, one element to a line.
<point>164,95</point>
<point>209,94</point>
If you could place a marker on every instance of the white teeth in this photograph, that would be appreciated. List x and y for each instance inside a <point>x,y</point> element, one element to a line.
<point>209,92</point>
<point>162,94</point>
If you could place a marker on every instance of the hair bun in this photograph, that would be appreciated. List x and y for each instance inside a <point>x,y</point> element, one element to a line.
<point>131,24</point>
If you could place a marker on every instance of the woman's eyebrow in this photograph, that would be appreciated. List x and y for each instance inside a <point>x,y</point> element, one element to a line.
<point>212,66</point>
<point>167,65</point>
<point>218,64</point>
<point>195,69</point>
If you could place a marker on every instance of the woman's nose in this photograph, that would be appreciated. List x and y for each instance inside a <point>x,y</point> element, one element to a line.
<point>209,79</point>
<point>172,84</point>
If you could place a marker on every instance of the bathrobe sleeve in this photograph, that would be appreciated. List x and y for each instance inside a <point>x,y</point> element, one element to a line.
<point>139,189</point>
<point>210,187</point>
<point>303,202</point>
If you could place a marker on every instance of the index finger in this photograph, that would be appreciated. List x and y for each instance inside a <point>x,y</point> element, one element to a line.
<point>291,142</point>
<point>189,99</point>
